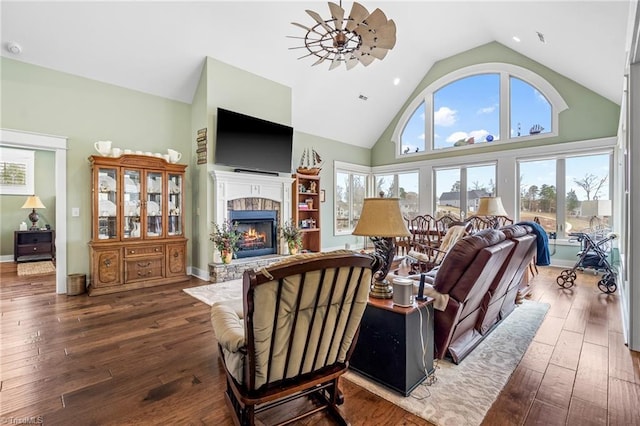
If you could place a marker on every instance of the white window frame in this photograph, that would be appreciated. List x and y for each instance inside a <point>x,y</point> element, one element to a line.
<point>505,71</point>
<point>560,184</point>
<point>350,169</point>
<point>464,184</point>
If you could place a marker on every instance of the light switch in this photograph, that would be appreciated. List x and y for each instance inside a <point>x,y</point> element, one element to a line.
<point>75,211</point>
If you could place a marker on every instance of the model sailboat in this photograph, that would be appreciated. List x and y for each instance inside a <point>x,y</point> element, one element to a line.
<point>310,163</point>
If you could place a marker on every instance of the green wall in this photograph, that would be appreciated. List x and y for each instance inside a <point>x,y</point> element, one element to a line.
<point>589,116</point>
<point>12,213</point>
<point>40,100</point>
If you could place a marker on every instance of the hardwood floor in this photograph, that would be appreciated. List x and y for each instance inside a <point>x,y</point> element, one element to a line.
<point>149,357</point>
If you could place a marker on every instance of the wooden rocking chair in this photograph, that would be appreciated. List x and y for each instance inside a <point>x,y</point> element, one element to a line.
<point>293,335</point>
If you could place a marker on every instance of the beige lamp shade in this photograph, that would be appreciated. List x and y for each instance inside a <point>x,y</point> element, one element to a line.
<point>491,206</point>
<point>381,217</point>
<point>33,202</point>
<point>596,208</point>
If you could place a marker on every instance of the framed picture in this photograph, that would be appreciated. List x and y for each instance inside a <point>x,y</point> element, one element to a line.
<point>322,195</point>
<point>16,171</point>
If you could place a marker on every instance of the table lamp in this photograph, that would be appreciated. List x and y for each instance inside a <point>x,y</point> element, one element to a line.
<point>382,221</point>
<point>33,202</point>
<point>490,207</point>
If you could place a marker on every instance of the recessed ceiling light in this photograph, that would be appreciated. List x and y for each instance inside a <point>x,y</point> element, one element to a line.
<point>14,47</point>
<point>516,39</point>
<point>396,81</point>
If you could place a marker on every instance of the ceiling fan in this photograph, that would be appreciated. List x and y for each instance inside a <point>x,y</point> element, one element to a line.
<point>360,37</point>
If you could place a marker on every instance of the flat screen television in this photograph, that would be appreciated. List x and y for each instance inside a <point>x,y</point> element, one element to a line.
<point>252,144</point>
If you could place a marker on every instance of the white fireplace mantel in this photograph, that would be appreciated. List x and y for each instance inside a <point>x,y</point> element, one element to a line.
<point>233,185</point>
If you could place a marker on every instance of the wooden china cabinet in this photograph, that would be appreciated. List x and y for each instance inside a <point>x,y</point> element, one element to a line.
<point>137,230</point>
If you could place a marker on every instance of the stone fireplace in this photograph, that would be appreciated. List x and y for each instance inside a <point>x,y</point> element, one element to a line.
<point>250,199</point>
<point>259,232</point>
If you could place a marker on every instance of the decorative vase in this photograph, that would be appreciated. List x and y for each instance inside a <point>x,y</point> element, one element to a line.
<point>226,257</point>
<point>293,248</point>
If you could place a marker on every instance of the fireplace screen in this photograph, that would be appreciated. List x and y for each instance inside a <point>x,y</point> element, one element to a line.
<point>258,232</point>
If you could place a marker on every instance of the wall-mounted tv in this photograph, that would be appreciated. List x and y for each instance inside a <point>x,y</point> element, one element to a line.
<point>251,144</point>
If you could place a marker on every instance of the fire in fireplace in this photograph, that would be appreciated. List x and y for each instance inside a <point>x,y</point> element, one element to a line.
<point>258,229</point>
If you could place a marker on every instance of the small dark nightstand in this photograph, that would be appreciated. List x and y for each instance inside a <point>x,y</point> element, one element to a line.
<point>389,349</point>
<point>34,245</point>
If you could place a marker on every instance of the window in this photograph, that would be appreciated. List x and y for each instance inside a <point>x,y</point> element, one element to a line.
<point>587,179</point>
<point>482,103</point>
<point>447,192</point>
<point>467,111</point>
<point>583,178</point>
<point>530,110</point>
<point>403,186</point>
<point>351,189</point>
<point>460,189</point>
<point>413,133</point>
<point>480,183</point>
<point>538,192</point>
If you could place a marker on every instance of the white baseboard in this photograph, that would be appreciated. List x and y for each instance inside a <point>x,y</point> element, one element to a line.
<point>6,258</point>
<point>198,273</point>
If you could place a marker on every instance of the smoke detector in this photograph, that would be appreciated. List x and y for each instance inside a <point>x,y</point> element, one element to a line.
<point>14,48</point>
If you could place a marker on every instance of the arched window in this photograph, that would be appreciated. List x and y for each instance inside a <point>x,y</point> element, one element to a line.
<point>484,103</point>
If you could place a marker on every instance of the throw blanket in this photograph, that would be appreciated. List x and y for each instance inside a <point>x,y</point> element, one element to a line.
<point>543,257</point>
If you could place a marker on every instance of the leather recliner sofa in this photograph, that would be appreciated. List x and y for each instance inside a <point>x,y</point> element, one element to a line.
<point>500,300</point>
<point>465,275</point>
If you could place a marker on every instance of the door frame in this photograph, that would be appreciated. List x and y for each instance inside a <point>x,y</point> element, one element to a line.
<point>57,144</point>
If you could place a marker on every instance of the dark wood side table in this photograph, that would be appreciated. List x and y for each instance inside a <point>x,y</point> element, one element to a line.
<point>34,245</point>
<point>389,348</point>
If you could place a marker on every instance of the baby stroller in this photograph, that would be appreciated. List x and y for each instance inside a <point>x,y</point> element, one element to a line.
<point>592,255</point>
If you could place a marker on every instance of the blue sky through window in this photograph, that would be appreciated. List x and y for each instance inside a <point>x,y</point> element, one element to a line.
<point>468,111</point>
<point>465,109</point>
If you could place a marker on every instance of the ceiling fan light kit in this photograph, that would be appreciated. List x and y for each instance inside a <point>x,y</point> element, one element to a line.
<point>360,37</point>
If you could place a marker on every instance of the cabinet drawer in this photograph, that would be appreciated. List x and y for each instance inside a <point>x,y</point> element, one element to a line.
<point>143,250</point>
<point>27,249</point>
<point>105,268</point>
<point>144,269</point>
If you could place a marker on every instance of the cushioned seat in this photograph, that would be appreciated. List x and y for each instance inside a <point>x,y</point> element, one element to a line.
<point>465,276</point>
<point>295,332</point>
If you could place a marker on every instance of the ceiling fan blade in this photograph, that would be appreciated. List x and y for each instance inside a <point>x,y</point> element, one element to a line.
<point>310,54</point>
<point>316,16</point>
<point>356,16</point>
<point>311,30</point>
<point>364,56</point>
<point>321,60</point>
<point>367,60</point>
<point>387,35</point>
<point>337,13</point>
<point>375,20</point>
<point>384,38</point>
<point>351,62</point>
<point>335,63</point>
<point>378,53</point>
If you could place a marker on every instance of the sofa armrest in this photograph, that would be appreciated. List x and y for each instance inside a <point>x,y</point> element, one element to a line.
<point>228,325</point>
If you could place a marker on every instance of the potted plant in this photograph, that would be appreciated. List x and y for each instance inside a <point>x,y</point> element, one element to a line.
<point>292,235</point>
<point>225,237</point>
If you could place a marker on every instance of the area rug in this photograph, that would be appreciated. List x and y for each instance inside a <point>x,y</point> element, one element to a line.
<point>35,268</point>
<point>462,394</point>
<point>216,292</point>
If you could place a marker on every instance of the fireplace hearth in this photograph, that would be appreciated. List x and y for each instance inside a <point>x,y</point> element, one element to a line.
<point>259,232</point>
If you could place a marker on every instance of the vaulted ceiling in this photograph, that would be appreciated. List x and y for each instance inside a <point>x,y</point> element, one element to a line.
<point>159,48</point>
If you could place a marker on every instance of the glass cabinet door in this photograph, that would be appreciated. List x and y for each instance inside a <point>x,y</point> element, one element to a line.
<point>107,204</point>
<point>175,204</point>
<point>154,207</point>
<point>132,203</point>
